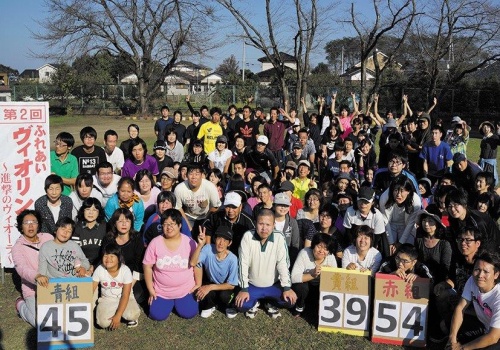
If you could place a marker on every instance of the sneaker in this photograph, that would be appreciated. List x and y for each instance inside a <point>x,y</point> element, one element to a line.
<point>253,311</point>
<point>19,300</point>
<point>207,313</point>
<point>297,311</point>
<point>231,312</point>
<point>273,311</point>
<point>437,336</point>
<point>132,324</point>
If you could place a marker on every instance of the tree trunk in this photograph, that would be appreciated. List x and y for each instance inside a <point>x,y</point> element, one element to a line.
<point>362,92</point>
<point>143,100</point>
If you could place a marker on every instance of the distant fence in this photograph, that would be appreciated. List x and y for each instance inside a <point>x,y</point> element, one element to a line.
<point>474,104</point>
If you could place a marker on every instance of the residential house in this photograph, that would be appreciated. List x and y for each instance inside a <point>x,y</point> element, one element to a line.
<point>46,71</point>
<point>5,93</point>
<point>354,73</point>
<point>268,72</point>
<point>29,75</point>
<point>207,83</point>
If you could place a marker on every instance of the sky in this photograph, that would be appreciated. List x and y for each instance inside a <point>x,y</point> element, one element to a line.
<point>21,16</point>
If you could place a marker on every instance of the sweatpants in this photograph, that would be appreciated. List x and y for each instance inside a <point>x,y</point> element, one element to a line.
<point>106,309</point>
<point>273,292</point>
<point>186,307</point>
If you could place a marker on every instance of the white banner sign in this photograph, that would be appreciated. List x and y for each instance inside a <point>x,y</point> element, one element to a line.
<point>24,165</point>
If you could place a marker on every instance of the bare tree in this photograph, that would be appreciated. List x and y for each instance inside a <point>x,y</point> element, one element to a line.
<point>270,41</point>
<point>398,17</point>
<point>453,39</point>
<point>149,34</point>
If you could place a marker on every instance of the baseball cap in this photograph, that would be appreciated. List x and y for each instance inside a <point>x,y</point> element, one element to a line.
<point>297,145</point>
<point>170,172</point>
<point>221,138</point>
<point>291,164</point>
<point>224,232</point>
<point>232,198</point>
<point>425,116</point>
<point>305,162</point>
<point>282,199</point>
<point>391,123</point>
<point>287,186</point>
<point>459,157</point>
<point>263,139</point>
<point>456,119</point>
<point>366,193</point>
<point>159,144</point>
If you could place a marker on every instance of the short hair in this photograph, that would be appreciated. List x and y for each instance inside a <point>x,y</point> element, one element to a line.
<point>488,177</point>
<point>67,138</point>
<point>232,106</point>
<point>264,185</point>
<point>265,212</point>
<point>174,214</point>
<point>103,165</point>
<point>177,112</point>
<point>164,107</point>
<point>194,166</point>
<point>408,249</point>
<point>196,114</point>
<point>203,107</point>
<point>109,133</point>
<point>303,130</point>
<point>313,192</point>
<point>485,198</point>
<point>123,181</point>
<point>239,161</point>
<point>249,108</point>
<point>274,108</point>
<point>214,110</point>
<point>26,212</point>
<point>88,203</point>
<point>474,231</point>
<point>87,179</point>
<point>329,241</point>
<point>339,146</point>
<point>135,126</point>
<point>490,258</point>
<point>53,179</point>
<point>65,221</point>
<point>362,230</point>
<point>166,196</point>
<point>458,196</point>
<point>171,130</point>
<point>437,127</point>
<point>449,176</point>
<point>331,210</point>
<point>114,249</point>
<point>140,174</point>
<point>364,142</point>
<point>136,142</point>
<point>88,130</point>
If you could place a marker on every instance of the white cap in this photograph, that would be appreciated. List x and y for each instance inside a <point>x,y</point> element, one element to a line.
<point>282,199</point>
<point>232,198</point>
<point>263,139</point>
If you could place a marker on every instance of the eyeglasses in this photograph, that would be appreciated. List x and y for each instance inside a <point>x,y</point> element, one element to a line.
<point>168,224</point>
<point>89,137</point>
<point>395,162</point>
<point>60,144</point>
<point>30,222</point>
<point>403,261</point>
<point>467,241</point>
<point>454,205</point>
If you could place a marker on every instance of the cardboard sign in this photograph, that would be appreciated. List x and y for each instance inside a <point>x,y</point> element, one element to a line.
<point>344,304</point>
<point>400,311</point>
<point>65,314</point>
<point>24,165</point>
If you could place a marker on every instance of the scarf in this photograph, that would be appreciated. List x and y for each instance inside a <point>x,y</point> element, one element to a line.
<point>135,199</point>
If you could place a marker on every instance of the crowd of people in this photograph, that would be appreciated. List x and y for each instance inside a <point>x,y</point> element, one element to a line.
<point>240,212</point>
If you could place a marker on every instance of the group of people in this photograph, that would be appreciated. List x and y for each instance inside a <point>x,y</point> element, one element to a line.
<point>240,213</point>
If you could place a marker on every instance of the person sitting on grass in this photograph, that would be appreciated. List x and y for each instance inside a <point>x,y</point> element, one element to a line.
<point>405,265</point>
<point>264,264</point>
<point>483,291</point>
<point>221,270</point>
<point>306,271</point>
<point>117,300</point>
<point>361,255</point>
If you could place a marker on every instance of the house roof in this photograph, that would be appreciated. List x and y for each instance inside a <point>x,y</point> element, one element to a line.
<point>53,65</point>
<point>29,74</point>
<point>7,69</point>
<point>268,73</point>
<point>4,88</point>
<point>488,72</point>
<point>190,65</point>
<point>284,57</point>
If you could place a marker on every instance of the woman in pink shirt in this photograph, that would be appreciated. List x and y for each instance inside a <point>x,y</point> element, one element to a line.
<point>345,118</point>
<point>169,278</point>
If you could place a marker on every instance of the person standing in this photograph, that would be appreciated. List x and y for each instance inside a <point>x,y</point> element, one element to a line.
<point>248,128</point>
<point>63,163</point>
<point>275,130</point>
<point>161,124</point>
<point>211,130</point>
<point>88,155</point>
<point>114,154</point>
<point>436,155</point>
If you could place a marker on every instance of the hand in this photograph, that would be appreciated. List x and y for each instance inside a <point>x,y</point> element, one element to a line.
<point>202,239</point>
<point>290,296</point>
<point>434,101</point>
<point>42,281</point>
<point>203,291</point>
<point>152,296</point>
<point>241,298</point>
<point>80,271</point>
<point>115,322</point>
<point>351,266</point>
<point>316,272</point>
<point>188,97</point>
<point>353,95</point>
<point>375,97</point>
<point>302,100</point>
<point>282,112</point>
<point>250,99</point>
<point>405,98</point>
<point>455,346</point>
<point>363,269</point>
<point>334,95</point>
<point>400,273</point>
<point>410,278</point>
<point>196,287</point>
<point>392,249</point>
<point>312,183</point>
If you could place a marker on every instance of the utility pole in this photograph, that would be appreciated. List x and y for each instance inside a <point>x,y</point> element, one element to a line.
<point>243,65</point>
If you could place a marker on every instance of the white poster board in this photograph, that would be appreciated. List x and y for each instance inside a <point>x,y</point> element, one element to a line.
<point>24,165</point>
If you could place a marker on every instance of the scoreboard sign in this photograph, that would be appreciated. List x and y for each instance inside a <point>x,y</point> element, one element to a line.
<point>65,314</point>
<point>400,311</point>
<point>344,304</point>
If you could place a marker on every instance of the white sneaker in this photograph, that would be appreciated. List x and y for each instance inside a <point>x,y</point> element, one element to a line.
<point>231,312</point>
<point>273,311</point>
<point>253,311</point>
<point>207,313</point>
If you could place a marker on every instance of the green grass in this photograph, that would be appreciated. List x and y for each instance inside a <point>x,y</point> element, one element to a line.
<point>176,333</point>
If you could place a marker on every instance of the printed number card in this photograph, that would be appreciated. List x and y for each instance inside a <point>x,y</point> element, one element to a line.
<point>344,304</point>
<point>64,314</point>
<point>400,311</point>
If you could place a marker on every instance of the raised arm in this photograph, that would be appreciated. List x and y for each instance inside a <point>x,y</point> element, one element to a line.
<point>321,100</point>
<point>332,107</point>
<point>403,116</point>
<point>188,97</point>
<point>434,104</point>
<point>408,109</point>
<point>381,120</point>
<point>355,112</point>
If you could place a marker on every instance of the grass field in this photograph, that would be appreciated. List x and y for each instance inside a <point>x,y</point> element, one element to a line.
<point>175,333</point>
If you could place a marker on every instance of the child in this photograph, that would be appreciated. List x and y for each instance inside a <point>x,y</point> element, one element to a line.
<point>116,300</point>
<point>61,257</point>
